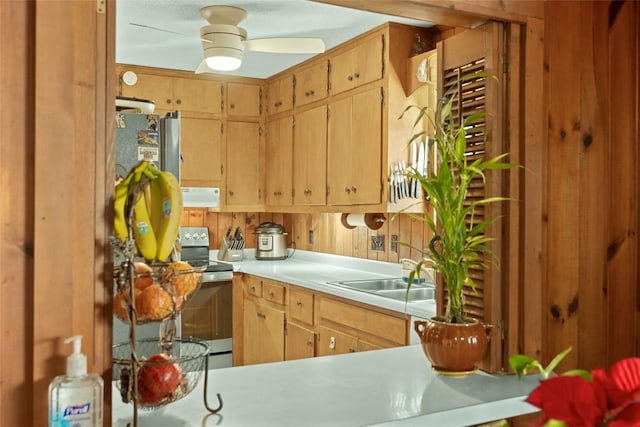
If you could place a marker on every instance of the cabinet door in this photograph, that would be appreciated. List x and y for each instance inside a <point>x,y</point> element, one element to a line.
<point>312,83</point>
<point>309,157</point>
<point>363,63</point>
<point>340,153</point>
<point>331,342</point>
<point>263,334</point>
<point>368,61</point>
<point>243,99</point>
<point>301,306</point>
<point>354,150</point>
<point>280,95</point>
<point>243,168</point>
<point>158,89</point>
<point>279,160</point>
<point>299,342</point>
<point>201,147</point>
<point>199,96</point>
<point>366,137</point>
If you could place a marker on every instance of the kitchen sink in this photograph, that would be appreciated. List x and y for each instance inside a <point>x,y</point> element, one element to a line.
<point>394,288</point>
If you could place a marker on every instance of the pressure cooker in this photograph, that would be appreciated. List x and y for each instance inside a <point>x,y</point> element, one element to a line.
<point>271,241</point>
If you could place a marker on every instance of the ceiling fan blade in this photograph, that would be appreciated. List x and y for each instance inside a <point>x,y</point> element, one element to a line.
<point>149,27</point>
<point>285,45</point>
<point>203,68</point>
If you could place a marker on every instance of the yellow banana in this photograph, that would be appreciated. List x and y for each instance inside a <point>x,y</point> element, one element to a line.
<point>120,199</point>
<point>167,194</point>
<point>143,232</point>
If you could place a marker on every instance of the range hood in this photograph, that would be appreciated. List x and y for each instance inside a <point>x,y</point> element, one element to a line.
<point>200,197</point>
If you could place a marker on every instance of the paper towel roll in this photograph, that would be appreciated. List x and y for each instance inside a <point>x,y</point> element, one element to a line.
<point>374,220</point>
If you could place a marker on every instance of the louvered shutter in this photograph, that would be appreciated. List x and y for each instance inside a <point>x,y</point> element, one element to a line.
<point>462,55</point>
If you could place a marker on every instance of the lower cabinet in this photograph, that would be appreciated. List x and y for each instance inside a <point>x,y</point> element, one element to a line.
<point>263,333</point>
<point>300,342</point>
<point>276,321</point>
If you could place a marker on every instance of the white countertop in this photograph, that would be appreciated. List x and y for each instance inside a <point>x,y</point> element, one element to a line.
<point>391,387</point>
<point>313,270</point>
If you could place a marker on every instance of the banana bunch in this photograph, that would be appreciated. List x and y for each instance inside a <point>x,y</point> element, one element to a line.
<point>148,203</point>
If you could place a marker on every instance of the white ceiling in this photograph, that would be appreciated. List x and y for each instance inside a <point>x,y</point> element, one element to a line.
<point>266,18</point>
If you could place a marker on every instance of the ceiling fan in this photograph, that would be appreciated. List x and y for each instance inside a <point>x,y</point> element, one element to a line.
<point>224,42</point>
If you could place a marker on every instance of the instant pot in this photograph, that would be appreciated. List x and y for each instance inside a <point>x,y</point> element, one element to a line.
<point>271,241</point>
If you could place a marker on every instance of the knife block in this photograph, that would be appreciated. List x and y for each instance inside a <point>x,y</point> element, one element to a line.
<point>226,254</point>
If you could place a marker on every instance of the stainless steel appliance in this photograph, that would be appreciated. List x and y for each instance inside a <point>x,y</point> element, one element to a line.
<point>207,314</point>
<point>147,137</point>
<point>271,241</point>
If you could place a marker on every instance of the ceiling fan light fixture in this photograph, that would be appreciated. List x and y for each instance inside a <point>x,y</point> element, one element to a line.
<point>224,62</point>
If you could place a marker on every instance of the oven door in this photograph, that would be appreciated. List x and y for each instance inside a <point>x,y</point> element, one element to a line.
<point>207,316</point>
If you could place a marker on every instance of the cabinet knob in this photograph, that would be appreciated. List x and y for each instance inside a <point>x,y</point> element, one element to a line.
<point>357,75</point>
<point>271,293</point>
<point>231,193</point>
<point>178,101</point>
<point>347,190</point>
<point>168,101</point>
<point>350,77</point>
<point>299,303</point>
<point>309,343</point>
<point>312,93</point>
<point>261,315</point>
<point>354,189</point>
<point>232,106</point>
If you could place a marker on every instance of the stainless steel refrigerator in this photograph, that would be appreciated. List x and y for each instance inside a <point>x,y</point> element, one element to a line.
<point>147,137</point>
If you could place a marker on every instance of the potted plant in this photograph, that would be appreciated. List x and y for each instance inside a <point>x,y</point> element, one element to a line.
<point>459,242</point>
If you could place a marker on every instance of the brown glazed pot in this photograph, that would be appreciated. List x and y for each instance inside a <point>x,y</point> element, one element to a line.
<point>453,349</point>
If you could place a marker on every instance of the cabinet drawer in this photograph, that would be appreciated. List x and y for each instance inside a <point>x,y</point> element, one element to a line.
<point>301,306</point>
<point>252,286</point>
<point>374,324</point>
<point>274,292</point>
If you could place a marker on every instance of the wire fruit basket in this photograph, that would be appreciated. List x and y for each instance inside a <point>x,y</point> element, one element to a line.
<point>163,375</point>
<point>160,290</point>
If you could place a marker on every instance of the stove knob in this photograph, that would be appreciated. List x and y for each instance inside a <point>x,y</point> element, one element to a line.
<point>196,236</point>
<point>187,236</point>
<point>203,235</point>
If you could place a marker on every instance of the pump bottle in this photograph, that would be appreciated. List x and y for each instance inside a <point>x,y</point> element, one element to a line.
<point>75,399</point>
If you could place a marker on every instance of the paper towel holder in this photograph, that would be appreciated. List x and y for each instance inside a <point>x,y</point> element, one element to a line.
<point>372,220</point>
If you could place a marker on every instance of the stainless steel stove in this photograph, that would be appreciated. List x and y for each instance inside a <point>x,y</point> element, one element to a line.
<point>207,313</point>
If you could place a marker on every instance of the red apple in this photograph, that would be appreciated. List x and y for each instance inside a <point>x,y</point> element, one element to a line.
<point>157,379</point>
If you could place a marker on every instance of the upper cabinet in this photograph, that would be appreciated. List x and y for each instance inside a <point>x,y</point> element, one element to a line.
<point>202,152</point>
<point>177,93</point>
<point>244,166</point>
<point>361,64</point>
<point>280,95</point>
<point>312,83</point>
<point>244,99</point>
<point>309,157</point>
<point>354,156</point>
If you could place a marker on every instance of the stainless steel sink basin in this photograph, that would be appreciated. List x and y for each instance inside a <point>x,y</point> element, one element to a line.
<point>394,288</point>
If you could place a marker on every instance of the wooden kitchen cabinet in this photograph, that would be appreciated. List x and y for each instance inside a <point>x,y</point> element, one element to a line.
<point>202,152</point>
<point>373,328</point>
<point>309,157</point>
<point>354,149</point>
<point>244,99</point>
<point>279,160</point>
<point>331,341</point>
<point>280,95</point>
<point>300,342</point>
<point>244,166</point>
<point>312,83</point>
<point>177,93</point>
<point>363,63</point>
<point>263,335</point>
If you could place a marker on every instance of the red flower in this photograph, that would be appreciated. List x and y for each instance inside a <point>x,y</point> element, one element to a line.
<point>622,386</point>
<point>572,399</point>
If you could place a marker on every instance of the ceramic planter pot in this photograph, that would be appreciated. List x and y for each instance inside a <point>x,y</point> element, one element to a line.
<point>453,349</point>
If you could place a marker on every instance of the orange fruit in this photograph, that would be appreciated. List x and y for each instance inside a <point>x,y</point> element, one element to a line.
<point>121,303</point>
<point>154,303</point>
<point>184,281</point>
<point>144,276</point>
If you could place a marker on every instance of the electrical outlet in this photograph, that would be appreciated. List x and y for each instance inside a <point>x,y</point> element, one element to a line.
<point>394,243</point>
<point>311,237</point>
<point>377,243</point>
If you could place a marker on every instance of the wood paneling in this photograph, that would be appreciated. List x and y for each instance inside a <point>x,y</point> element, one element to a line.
<point>57,179</point>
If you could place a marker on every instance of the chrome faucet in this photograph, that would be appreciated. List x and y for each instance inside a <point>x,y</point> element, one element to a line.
<point>424,274</point>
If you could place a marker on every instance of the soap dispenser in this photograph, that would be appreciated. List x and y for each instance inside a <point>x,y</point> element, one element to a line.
<point>75,399</point>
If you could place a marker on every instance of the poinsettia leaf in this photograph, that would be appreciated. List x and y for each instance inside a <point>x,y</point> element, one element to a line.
<point>626,374</point>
